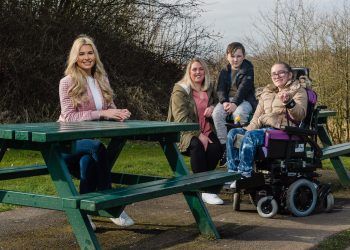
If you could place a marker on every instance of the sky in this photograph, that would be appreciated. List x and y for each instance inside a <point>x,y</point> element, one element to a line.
<point>234,18</point>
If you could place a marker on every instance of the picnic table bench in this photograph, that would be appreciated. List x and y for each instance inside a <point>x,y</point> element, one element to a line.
<point>333,151</point>
<point>52,139</point>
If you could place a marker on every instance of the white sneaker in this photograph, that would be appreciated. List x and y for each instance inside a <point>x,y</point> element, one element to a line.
<point>233,185</point>
<point>212,199</point>
<point>123,220</point>
<point>92,224</point>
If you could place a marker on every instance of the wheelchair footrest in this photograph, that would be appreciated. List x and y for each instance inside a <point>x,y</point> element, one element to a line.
<point>256,180</point>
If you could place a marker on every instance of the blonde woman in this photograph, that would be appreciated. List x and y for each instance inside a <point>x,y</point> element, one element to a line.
<point>192,100</point>
<point>85,94</point>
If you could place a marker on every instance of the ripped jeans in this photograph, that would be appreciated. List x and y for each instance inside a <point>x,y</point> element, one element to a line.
<point>241,159</point>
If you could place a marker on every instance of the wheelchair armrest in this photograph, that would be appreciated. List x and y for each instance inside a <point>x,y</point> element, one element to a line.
<point>299,131</point>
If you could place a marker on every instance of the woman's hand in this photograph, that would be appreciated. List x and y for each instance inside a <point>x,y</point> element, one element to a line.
<point>208,111</point>
<point>229,107</point>
<point>116,114</point>
<point>205,140</point>
<point>285,96</point>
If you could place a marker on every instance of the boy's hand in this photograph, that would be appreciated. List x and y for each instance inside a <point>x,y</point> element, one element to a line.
<point>229,107</point>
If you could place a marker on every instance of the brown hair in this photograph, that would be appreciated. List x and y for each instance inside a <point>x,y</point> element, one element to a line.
<point>233,47</point>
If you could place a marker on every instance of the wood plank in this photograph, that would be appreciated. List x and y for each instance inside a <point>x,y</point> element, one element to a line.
<point>131,179</point>
<point>143,185</point>
<point>55,131</point>
<point>326,113</point>
<point>336,150</point>
<point>31,200</point>
<point>7,173</point>
<point>135,194</point>
<point>111,129</point>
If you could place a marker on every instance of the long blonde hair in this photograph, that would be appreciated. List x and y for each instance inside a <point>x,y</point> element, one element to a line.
<point>186,79</point>
<point>78,89</point>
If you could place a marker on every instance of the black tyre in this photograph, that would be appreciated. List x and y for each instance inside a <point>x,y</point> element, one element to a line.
<point>236,204</point>
<point>267,207</point>
<point>329,203</point>
<point>301,197</point>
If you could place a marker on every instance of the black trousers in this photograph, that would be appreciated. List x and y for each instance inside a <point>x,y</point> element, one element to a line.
<point>202,160</point>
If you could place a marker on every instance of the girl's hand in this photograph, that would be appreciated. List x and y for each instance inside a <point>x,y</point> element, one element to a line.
<point>285,97</point>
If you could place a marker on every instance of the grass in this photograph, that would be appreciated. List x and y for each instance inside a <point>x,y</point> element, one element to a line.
<point>136,158</point>
<point>338,241</point>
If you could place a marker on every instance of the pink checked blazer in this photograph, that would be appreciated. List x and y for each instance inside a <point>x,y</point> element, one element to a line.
<point>83,112</point>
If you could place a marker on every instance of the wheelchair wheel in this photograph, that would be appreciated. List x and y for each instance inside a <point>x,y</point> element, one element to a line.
<point>329,203</point>
<point>267,207</point>
<point>236,204</point>
<point>301,197</point>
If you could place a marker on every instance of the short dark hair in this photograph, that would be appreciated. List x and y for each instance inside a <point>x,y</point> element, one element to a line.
<point>233,47</point>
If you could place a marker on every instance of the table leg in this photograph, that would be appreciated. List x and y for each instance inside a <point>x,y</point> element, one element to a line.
<point>336,161</point>
<point>114,148</point>
<point>64,185</point>
<point>3,149</point>
<point>195,203</point>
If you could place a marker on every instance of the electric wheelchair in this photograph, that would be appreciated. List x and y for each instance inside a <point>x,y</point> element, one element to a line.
<point>284,179</point>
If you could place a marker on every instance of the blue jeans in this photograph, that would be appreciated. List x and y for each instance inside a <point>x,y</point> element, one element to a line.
<point>89,163</point>
<point>241,160</point>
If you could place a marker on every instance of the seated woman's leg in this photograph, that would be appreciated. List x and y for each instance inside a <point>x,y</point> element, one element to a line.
<point>243,111</point>
<point>103,174</point>
<point>88,169</point>
<point>98,153</point>
<point>213,153</point>
<point>251,141</point>
<point>232,151</point>
<point>199,163</point>
<point>197,156</point>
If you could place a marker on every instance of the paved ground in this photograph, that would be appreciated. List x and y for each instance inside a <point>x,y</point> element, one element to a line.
<point>167,223</point>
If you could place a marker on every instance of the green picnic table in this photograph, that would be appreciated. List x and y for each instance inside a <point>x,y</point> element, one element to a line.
<point>333,151</point>
<point>53,138</point>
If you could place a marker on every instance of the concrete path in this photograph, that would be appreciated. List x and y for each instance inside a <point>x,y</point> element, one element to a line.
<point>167,223</point>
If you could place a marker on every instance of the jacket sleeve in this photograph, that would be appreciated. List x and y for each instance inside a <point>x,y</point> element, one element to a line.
<point>255,123</point>
<point>222,92</point>
<point>180,112</point>
<point>245,87</point>
<point>298,112</point>
<point>68,112</point>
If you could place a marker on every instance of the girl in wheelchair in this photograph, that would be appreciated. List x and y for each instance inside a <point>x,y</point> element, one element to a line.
<point>283,104</point>
<point>270,113</point>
